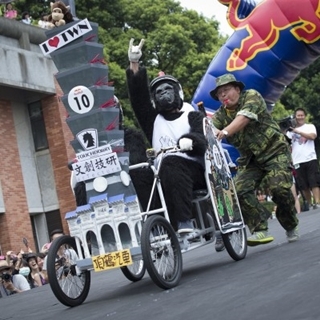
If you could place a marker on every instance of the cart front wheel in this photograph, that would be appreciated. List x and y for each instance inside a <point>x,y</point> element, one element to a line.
<point>236,243</point>
<point>69,284</point>
<point>134,272</point>
<point>161,252</point>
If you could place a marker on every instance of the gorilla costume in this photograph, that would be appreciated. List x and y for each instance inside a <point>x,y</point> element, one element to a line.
<point>166,121</point>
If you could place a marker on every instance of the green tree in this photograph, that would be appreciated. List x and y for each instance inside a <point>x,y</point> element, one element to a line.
<point>35,8</point>
<point>280,112</point>
<point>177,41</point>
<point>304,92</point>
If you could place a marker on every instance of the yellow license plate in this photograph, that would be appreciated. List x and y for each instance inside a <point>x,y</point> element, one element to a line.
<point>112,260</point>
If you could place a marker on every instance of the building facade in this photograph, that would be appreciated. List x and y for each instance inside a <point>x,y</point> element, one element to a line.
<point>35,188</point>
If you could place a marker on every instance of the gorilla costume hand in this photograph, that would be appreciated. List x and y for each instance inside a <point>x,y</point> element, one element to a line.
<point>185,144</point>
<point>135,52</point>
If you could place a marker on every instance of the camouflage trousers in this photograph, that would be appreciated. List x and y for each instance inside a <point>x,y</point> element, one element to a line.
<point>278,177</point>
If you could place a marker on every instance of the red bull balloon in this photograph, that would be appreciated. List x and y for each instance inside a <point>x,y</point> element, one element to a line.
<point>272,42</point>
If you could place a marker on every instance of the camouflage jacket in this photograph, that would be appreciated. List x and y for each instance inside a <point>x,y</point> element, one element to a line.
<point>261,138</point>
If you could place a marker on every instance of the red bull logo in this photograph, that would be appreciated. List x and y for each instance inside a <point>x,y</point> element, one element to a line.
<point>265,23</point>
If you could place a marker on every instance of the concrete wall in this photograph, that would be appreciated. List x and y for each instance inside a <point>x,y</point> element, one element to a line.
<point>22,64</point>
<point>31,183</point>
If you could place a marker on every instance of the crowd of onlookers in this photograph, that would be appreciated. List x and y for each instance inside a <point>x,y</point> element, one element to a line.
<point>8,11</point>
<point>21,271</point>
<point>24,270</point>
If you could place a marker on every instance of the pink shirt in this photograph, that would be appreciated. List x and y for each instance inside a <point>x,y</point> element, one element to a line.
<point>11,14</point>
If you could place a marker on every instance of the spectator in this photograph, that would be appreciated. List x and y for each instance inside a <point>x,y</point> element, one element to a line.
<point>273,213</point>
<point>10,258</point>
<point>15,261</point>
<point>260,196</point>
<point>35,276</point>
<point>45,248</point>
<point>24,269</point>
<point>56,234</point>
<point>26,18</point>
<point>40,259</point>
<point>43,22</point>
<point>243,119</point>
<point>296,198</point>
<point>304,157</point>
<point>11,284</point>
<point>268,195</point>
<point>69,254</point>
<point>9,12</point>
<point>18,263</point>
<point>53,235</point>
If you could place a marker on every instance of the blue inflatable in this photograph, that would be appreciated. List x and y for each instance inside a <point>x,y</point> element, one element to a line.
<point>272,42</point>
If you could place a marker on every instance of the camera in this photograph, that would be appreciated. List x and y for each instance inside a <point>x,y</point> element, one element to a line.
<point>287,123</point>
<point>25,256</point>
<point>6,277</point>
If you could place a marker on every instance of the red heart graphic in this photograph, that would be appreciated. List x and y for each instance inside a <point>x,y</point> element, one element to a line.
<point>54,42</point>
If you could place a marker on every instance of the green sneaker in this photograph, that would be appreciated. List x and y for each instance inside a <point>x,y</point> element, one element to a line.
<point>259,237</point>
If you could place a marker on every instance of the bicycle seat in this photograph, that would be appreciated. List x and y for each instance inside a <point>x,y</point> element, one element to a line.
<point>199,193</point>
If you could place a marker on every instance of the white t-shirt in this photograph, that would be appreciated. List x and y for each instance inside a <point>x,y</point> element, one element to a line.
<point>69,254</point>
<point>43,24</point>
<point>303,150</point>
<point>187,107</point>
<point>20,282</point>
<point>167,133</point>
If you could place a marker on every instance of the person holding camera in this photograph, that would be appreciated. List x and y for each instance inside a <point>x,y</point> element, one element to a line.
<point>304,157</point>
<point>11,284</point>
<point>244,121</point>
<point>53,235</point>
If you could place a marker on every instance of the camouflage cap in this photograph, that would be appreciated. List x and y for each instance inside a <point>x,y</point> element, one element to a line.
<point>223,80</point>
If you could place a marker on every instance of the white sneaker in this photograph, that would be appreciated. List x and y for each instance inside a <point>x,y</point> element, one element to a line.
<point>293,235</point>
<point>185,226</point>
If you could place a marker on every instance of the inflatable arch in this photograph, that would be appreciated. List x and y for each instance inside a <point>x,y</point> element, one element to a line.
<point>272,42</point>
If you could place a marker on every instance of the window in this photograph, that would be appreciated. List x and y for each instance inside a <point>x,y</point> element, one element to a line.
<point>38,126</point>
<point>53,220</point>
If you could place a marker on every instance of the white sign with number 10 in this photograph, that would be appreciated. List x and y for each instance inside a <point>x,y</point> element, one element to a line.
<point>80,99</point>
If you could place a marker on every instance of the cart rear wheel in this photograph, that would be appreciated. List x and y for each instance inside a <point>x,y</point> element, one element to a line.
<point>161,252</point>
<point>69,284</point>
<point>236,243</point>
<point>134,272</point>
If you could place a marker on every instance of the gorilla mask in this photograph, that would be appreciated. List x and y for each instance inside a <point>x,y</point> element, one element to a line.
<point>166,94</point>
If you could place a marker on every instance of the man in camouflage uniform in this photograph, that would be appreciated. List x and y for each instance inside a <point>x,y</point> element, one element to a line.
<point>244,121</point>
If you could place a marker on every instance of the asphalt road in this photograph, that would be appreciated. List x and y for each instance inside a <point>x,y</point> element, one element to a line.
<point>276,281</point>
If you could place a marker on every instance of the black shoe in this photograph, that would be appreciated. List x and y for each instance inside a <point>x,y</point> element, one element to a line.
<point>185,226</point>
<point>219,246</point>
